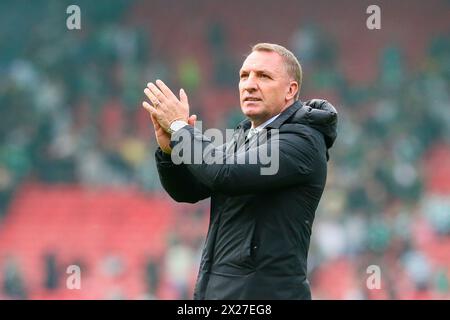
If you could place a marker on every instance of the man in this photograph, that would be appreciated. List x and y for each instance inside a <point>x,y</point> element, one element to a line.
<point>260,225</point>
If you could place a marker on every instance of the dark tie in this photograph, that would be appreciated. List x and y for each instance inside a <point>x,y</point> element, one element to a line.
<point>250,134</point>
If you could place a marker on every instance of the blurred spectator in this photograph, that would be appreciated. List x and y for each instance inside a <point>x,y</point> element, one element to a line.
<point>13,283</point>
<point>179,264</point>
<point>51,271</point>
<point>152,276</point>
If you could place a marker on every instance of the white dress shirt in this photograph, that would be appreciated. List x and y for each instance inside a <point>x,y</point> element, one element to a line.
<point>258,129</point>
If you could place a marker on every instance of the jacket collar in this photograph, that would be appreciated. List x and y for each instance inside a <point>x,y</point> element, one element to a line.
<point>285,115</point>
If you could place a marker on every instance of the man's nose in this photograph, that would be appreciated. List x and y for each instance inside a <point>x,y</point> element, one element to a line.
<point>250,83</point>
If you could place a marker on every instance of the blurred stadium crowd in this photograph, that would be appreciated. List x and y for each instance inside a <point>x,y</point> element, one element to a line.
<point>78,182</point>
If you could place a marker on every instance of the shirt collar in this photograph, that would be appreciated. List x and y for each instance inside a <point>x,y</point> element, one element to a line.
<point>253,131</point>
<point>261,126</point>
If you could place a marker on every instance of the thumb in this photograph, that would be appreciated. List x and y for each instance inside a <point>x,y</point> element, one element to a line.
<point>183,97</point>
<point>155,122</point>
<point>192,119</point>
<point>152,111</point>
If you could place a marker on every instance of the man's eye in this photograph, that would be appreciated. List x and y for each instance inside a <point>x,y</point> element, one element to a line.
<point>265,76</point>
<point>244,76</point>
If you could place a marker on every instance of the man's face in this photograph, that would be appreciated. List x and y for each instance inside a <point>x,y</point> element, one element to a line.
<point>264,86</point>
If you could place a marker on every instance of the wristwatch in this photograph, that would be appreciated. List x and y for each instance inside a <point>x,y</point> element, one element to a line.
<point>176,125</point>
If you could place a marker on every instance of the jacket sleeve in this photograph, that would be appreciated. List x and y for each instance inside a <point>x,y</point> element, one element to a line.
<point>178,181</point>
<point>297,159</point>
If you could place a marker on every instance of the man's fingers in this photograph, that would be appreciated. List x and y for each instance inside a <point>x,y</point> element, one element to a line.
<point>166,90</point>
<point>149,108</point>
<point>153,99</point>
<point>192,119</point>
<point>153,114</point>
<point>183,97</point>
<point>159,96</point>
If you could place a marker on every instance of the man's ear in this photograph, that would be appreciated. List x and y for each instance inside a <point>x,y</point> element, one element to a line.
<point>293,89</point>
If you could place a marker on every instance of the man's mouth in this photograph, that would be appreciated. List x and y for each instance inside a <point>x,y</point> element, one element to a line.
<point>251,99</point>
